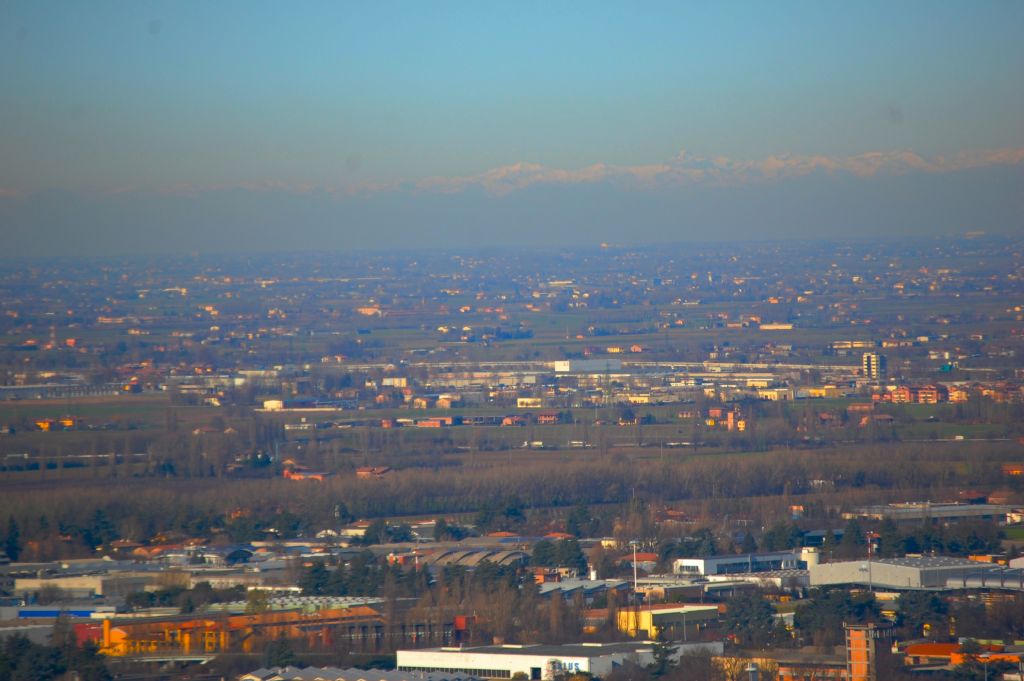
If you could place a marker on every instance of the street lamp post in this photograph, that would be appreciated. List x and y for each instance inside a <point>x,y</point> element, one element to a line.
<point>636,602</point>
<point>634,545</point>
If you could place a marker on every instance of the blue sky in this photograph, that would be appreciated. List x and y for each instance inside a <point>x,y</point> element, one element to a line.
<point>108,107</point>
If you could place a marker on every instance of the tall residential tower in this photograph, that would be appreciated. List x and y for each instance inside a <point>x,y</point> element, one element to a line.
<point>874,365</point>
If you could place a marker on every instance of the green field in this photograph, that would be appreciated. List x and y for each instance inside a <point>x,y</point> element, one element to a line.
<point>1015,532</point>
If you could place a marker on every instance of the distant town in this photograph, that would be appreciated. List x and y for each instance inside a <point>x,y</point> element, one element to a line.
<point>717,462</point>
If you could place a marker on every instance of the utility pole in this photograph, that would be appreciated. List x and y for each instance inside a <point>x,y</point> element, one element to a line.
<point>636,602</point>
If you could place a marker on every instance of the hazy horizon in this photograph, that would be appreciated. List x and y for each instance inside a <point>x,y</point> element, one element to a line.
<point>179,127</point>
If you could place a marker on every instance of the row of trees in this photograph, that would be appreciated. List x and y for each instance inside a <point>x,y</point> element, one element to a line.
<point>506,602</point>
<point>818,620</point>
<point>362,576</point>
<point>887,539</point>
<point>187,600</point>
<point>561,553</point>
<point>89,513</point>
<point>365,575</point>
<point>750,619</point>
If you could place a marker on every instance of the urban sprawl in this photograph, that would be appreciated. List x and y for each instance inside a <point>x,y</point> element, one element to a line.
<point>780,461</point>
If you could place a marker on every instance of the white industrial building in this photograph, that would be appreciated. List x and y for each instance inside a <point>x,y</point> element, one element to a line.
<point>540,662</point>
<point>336,674</point>
<point>918,512</point>
<point>586,365</point>
<point>110,585</point>
<point>731,564</point>
<point>992,577</point>
<point>925,572</point>
<point>773,579</point>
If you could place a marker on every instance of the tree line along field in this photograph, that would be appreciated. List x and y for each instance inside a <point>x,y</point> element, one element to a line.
<point>61,517</point>
<point>160,440</point>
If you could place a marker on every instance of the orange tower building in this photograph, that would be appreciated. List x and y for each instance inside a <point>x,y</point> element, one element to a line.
<point>865,645</point>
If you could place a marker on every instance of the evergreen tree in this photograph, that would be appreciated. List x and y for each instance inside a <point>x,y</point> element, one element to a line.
<point>279,653</point>
<point>577,523</point>
<point>22,660</point>
<point>569,554</point>
<point>100,529</point>
<point>485,517</point>
<point>257,601</point>
<point>821,617</point>
<point>12,542</point>
<point>751,619</point>
<point>544,554</point>
<point>440,529</point>
<point>376,533</point>
<point>890,541</point>
<point>602,562</point>
<point>314,581</point>
<point>399,533</point>
<point>703,543</point>
<point>782,536</point>
<point>662,664</point>
<point>828,545</point>
<point>89,664</point>
<point>39,663</point>
<point>922,612</point>
<point>854,542</point>
<point>341,514</point>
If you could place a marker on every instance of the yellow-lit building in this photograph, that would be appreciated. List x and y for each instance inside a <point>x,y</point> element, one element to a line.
<point>671,622</point>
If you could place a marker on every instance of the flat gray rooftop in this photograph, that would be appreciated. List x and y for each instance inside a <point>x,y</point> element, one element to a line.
<point>567,650</point>
<point>928,562</point>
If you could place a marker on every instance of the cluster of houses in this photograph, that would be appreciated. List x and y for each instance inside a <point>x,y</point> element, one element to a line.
<point>684,604</point>
<point>935,393</point>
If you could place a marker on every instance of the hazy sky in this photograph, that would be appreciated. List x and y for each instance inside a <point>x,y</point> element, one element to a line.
<point>141,126</point>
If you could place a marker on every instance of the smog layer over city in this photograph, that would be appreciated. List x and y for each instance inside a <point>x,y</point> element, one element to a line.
<point>452,341</point>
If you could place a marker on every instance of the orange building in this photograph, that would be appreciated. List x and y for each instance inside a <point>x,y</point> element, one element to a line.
<point>868,657</point>
<point>865,644</point>
<point>929,653</point>
<point>958,394</point>
<point>930,394</point>
<point>959,658</point>
<point>547,417</point>
<point>220,633</point>
<point>901,395</point>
